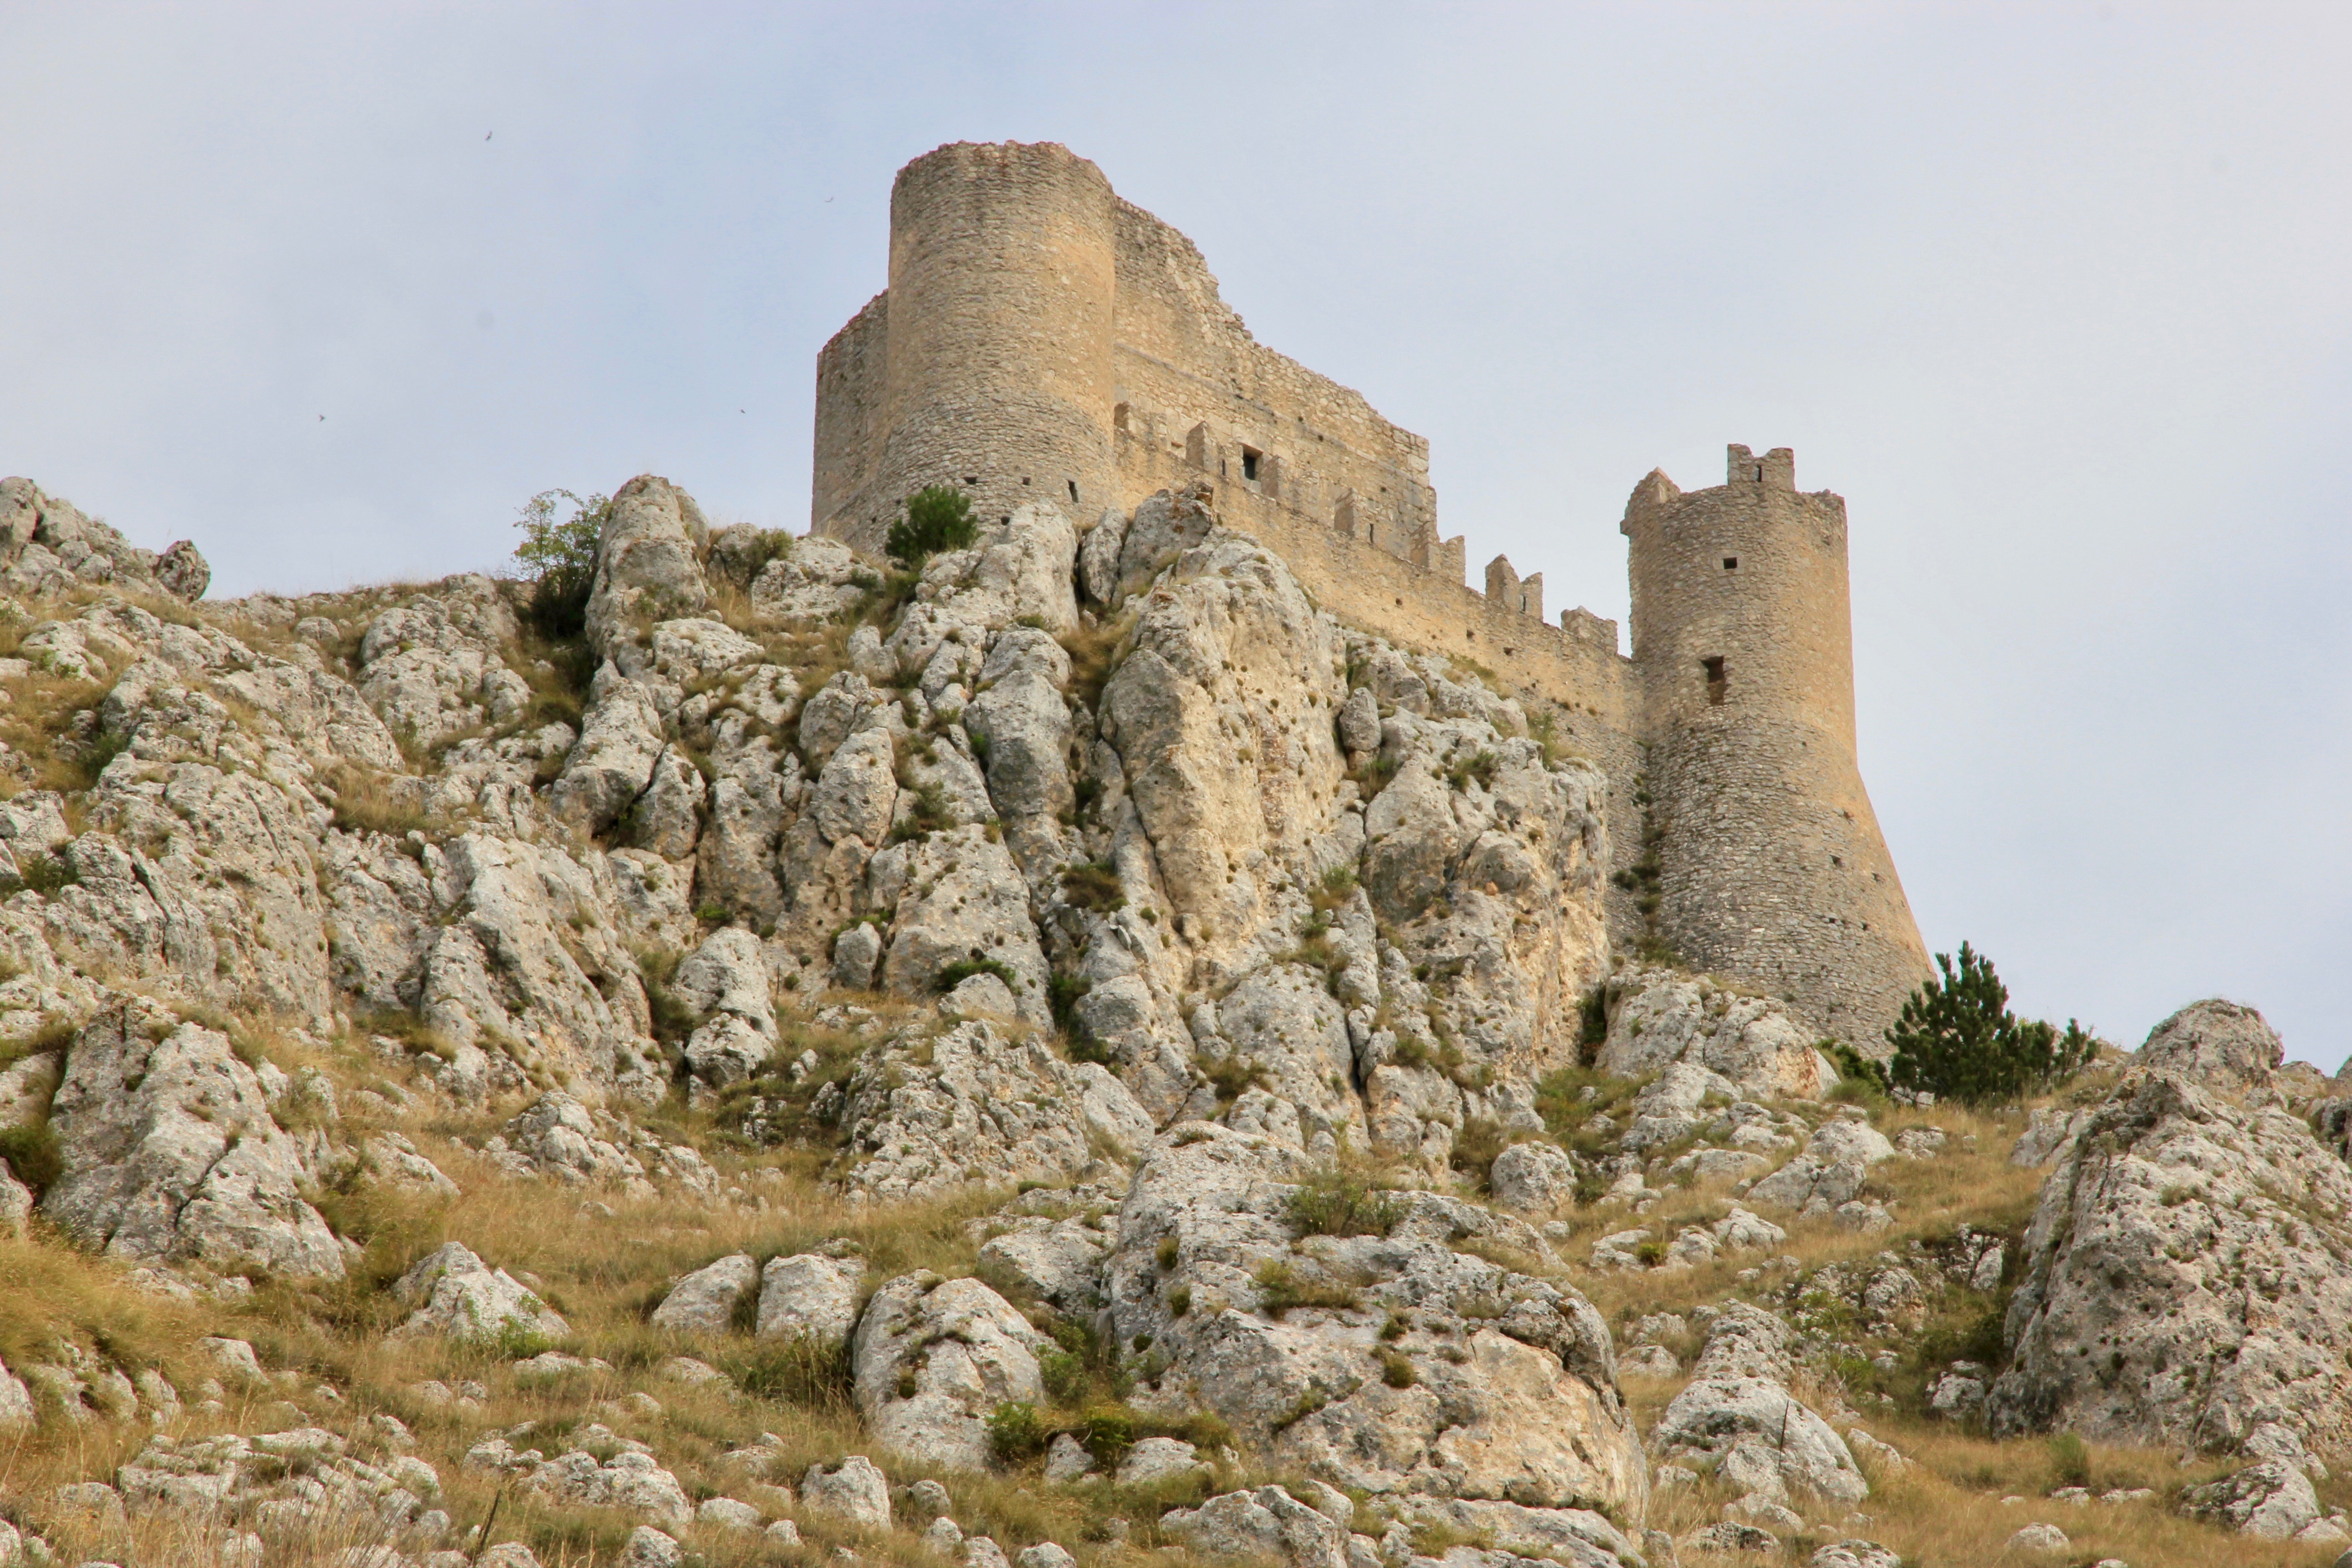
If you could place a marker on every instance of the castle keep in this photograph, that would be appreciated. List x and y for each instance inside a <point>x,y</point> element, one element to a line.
<point>1041,338</point>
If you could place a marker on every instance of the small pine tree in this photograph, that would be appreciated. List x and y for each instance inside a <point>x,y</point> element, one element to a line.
<point>1956,1039</point>
<point>559,559</point>
<point>937,517</point>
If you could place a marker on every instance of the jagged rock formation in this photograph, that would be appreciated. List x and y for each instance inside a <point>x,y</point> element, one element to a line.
<point>2187,1276</point>
<point>1078,1009</point>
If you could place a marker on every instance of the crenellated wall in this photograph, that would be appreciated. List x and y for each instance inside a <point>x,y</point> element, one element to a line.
<point>1043,339</point>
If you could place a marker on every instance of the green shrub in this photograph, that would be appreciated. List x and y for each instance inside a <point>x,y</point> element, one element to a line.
<point>937,517</point>
<point>32,1152</point>
<point>1339,1202</point>
<point>1093,885</point>
<point>2070,1459</point>
<point>1397,1370</point>
<point>1956,1039</point>
<point>1015,1432</point>
<point>559,559</point>
<point>1279,1290</point>
<point>963,969</point>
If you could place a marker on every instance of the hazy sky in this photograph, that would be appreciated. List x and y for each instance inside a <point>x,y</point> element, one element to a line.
<point>2055,295</point>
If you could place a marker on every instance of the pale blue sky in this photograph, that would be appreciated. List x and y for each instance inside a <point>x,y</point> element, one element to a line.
<point>2055,295</point>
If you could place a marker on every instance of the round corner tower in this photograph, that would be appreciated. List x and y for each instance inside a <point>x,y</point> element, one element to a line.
<point>997,372</point>
<point>1772,871</point>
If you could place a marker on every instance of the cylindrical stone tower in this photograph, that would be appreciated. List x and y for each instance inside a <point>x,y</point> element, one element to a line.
<point>1772,872</point>
<point>998,365</point>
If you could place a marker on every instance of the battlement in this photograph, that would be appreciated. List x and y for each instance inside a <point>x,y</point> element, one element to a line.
<point>1776,469</point>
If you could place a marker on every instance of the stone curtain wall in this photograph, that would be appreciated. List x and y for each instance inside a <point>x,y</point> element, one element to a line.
<point>1195,390</point>
<point>1773,867</point>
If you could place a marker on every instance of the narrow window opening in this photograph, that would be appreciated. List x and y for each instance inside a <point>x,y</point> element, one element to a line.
<point>1074,492</point>
<point>1024,478</point>
<point>1250,456</point>
<point>1119,417</point>
<point>1731,563</point>
<point>1837,860</point>
<point>1717,682</point>
<point>1760,473</point>
<point>971,478</point>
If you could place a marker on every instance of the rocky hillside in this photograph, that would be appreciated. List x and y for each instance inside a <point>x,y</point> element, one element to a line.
<point>1070,1057</point>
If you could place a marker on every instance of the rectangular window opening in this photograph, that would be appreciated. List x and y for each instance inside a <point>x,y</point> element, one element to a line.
<point>1250,456</point>
<point>1074,492</point>
<point>1731,563</point>
<point>1717,682</point>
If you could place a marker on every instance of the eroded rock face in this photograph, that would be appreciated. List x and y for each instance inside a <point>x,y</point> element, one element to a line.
<point>1660,1018</point>
<point>170,1154</point>
<point>983,1106</point>
<point>1513,1390</point>
<point>2188,1275</point>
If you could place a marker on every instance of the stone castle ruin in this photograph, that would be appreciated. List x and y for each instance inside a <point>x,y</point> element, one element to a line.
<point>1043,340</point>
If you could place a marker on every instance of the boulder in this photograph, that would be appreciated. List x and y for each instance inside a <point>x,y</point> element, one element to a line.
<point>1737,1419</point>
<point>855,1490</point>
<point>810,1296</point>
<point>1267,1524</point>
<point>1830,1173</point>
<point>2273,1500</point>
<point>933,1359</point>
<point>932,1112</point>
<point>1533,1178</point>
<point>648,562</point>
<point>704,1301</point>
<point>169,1153</point>
<point>457,1296</point>
<point>183,572</point>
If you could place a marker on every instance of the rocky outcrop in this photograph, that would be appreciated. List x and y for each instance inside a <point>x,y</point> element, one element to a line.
<point>1658,1017</point>
<point>2188,1274</point>
<point>169,1153</point>
<point>1379,1358</point>
<point>929,1112</point>
<point>47,546</point>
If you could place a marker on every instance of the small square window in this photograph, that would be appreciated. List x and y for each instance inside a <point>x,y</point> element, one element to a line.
<point>1250,456</point>
<point>1731,563</point>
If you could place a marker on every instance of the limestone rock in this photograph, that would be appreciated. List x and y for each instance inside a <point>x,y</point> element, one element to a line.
<point>1055,1261</point>
<point>182,571</point>
<point>170,1154</point>
<point>2039,1539</point>
<point>1267,1524</point>
<point>1659,1017</point>
<point>1533,1178</point>
<point>1738,1415</point>
<point>1528,1409</point>
<point>620,741</point>
<point>2216,1045</point>
<point>2132,1324</point>
<point>648,562</point>
<point>2272,1500</point>
<point>1831,1170</point>
<point>1853,1554</point>
<point>809,1296</point>
<point>959,900</point>
<point>704,1301</point>
<point>934,1359</point>
<point>455,1294</point>
<point>815,582</point>
<point>856,1491</point>
<point>931,1112</point>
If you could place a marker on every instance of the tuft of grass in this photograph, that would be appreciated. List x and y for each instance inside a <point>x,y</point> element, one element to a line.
<point>1341,1203</point>
<point>1281,1289</point>
<point>1093,885</point>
